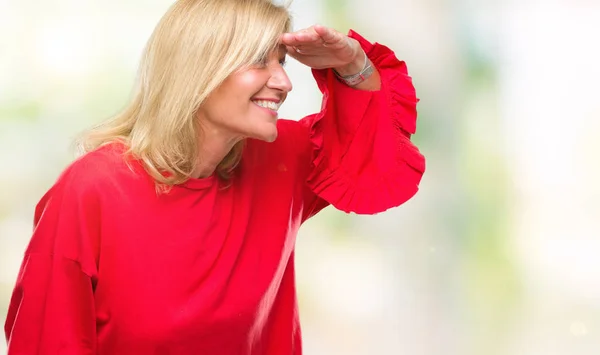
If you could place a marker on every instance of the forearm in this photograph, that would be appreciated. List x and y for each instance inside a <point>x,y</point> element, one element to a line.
<point>371,83</point>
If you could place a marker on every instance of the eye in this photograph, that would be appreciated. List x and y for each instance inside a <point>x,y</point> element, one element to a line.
<point>262,62</point>
<point>266,60</point>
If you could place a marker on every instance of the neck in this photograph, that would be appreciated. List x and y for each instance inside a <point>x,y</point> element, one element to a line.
<point>213,146</point>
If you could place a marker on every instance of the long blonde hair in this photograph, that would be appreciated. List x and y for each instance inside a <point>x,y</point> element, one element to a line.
<point>196,45</point>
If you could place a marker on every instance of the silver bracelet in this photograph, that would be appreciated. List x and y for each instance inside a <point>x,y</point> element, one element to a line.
<point>355,79</point>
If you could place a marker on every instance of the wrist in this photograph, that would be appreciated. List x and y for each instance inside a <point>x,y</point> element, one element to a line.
<point>356,65</point>
<point>359,76</point>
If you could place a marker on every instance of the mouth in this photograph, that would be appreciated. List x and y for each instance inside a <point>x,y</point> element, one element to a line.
<point>270,105</point>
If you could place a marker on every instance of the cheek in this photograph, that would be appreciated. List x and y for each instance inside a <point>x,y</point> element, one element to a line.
<point>234,95</point>
<point>250,82</point>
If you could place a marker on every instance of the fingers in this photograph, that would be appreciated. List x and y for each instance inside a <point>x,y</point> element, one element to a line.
<point>314,36</point>
<point>328,35</point>
<point>302,37</point>
<point>294,51</point>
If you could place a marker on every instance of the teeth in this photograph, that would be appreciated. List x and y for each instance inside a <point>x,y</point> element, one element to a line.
<point>267,104</point>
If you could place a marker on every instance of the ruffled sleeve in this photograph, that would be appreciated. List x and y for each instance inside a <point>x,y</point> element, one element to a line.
<point>362,158</point>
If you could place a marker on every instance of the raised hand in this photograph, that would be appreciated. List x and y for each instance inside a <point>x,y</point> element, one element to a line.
<point>321,47</point>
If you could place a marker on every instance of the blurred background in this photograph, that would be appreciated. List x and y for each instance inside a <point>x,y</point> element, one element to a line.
<point>498,254</point>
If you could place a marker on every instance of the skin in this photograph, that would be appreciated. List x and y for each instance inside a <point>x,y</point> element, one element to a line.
<point>231,113</point>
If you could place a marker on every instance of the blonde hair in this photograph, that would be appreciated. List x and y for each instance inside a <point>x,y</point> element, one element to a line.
<point>196,45</point>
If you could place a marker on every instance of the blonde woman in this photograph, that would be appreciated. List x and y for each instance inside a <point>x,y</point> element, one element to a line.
<point>174,233</point>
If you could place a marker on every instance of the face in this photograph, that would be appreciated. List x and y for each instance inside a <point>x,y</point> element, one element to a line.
<point>246,104</point>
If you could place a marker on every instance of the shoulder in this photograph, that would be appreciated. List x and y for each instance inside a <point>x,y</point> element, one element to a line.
<point>68,216</point>
<point>100,171</point>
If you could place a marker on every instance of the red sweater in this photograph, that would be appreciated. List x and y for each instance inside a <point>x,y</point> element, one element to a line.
<point>113,268</point>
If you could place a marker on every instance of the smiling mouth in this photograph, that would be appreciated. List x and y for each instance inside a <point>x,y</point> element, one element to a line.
<point>270,105</point>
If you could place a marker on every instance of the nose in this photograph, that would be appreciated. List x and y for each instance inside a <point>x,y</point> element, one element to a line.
<point>279,79</point>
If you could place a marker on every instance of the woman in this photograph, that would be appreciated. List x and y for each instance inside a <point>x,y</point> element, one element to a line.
<point>175,232</point>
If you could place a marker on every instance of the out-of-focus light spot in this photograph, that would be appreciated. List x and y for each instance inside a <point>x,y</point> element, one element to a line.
<point>578,329</point>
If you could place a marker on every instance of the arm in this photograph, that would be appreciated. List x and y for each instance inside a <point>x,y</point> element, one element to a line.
<point>362,158</point>
<point>52,309</point>
<point>320,47</point>
<point>52,306</point>
<point>356,67</point>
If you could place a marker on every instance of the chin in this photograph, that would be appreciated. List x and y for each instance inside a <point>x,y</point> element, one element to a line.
<point>267,135</point>
<point>265,131</point>
<point>271,137</point>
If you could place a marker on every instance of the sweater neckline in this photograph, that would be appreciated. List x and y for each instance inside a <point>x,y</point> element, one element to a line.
<point>201,183</point>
